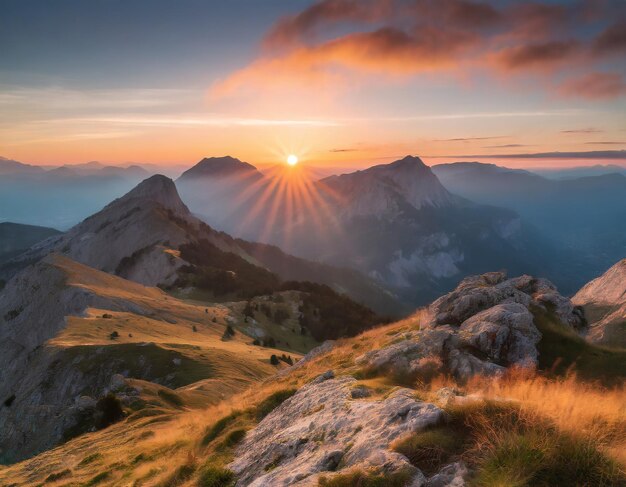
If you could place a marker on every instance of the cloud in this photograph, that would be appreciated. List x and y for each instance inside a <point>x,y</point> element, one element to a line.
<point>612,40</point>
<point>332,42</point>
<point>609,154</point>
<point>538,55</point>
<point>505,146</point>
<point>468,139</point>
<point>589,130</point>
<point>606,142</point>
<point>595,86</point>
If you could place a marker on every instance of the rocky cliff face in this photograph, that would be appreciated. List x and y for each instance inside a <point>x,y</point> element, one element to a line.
<point>484,326</point>
<point>604,302</point>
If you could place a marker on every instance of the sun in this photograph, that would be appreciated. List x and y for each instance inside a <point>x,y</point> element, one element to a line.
<point>292,160</point>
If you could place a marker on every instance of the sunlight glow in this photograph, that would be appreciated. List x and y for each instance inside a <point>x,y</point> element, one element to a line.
<point>292,160</point>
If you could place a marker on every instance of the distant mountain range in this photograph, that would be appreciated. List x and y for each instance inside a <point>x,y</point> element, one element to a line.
<point>396,222</point>
<point>582,216</point>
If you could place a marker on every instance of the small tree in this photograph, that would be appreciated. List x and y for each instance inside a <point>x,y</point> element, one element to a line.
<point>194,328</point>
<point>228,333</point>
<point>114,335</point>
<point>274,360</point>
<point>108,411</point>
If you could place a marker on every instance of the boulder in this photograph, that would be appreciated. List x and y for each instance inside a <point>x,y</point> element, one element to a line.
<point>322,428</point>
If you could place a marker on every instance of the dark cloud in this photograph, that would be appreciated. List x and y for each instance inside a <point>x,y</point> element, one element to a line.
<point>589,130</point>
<point>606,142</point>
<point>538,54</point>
<point>612,40</point>
<point>343,150</point>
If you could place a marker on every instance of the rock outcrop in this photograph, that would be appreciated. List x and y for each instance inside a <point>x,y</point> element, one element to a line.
<point>482,327</point>
<point>329,430</point>
<point>604,302</point>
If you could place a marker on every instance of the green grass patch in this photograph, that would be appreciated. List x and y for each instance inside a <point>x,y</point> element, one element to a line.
<point>98,479</point>
<point>219,427</point>
<point>562,350</point>
<point>213,476</point>
<point>272,402</point>
<point>361,478</point>
<point>233,438</point>
<point>171,398</point>
<point>181,475</point>
<point>90,459</point>
<point>53,477</point>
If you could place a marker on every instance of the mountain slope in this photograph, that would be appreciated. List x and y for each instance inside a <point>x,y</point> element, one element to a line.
<point>67,329</point>
<point>15,238</point>
<point>604,302</point>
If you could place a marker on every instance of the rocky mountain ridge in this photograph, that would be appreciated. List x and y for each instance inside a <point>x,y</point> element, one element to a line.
<point>604,302</point>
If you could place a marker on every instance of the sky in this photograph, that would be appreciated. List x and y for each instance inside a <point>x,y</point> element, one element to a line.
<point>343,83</point>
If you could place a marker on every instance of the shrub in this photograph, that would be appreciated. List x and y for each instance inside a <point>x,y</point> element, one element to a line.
<point>269,342</point>
<point>194,328</point>
<point>233,438</point>
<point>108,411</point>
<point>212,476</point>
<point>114,335</point>
<point>228,333</point>
<point>101,477</point>
<point>12,314</point>
<point>53,477</point>
<point>274,360</point>
<point>179,476</point>
<point>256,342</point>
<point>9,400</point>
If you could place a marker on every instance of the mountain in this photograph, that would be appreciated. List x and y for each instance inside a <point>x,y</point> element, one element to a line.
<point>604,302</point>
<point>139,237</point>
<point>220,167</point>
<point>382,190</point>
<point>67,329</point>
<point>581,216</point>
<point>9,166</point>
<point>16,238</point>
<point>581,171</point>
<point>396,223</point>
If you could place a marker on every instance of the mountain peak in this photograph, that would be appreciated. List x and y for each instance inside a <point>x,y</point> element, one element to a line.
<point>217,167</point>
<point>159,189</point>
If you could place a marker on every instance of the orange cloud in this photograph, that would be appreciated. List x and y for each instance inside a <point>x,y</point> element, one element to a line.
<point>332,40</point>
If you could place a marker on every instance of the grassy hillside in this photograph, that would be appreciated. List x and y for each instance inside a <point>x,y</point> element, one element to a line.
<point>525,430</point>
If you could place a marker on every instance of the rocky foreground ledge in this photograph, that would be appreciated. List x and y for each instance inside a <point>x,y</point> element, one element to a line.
<point>331,425</point>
